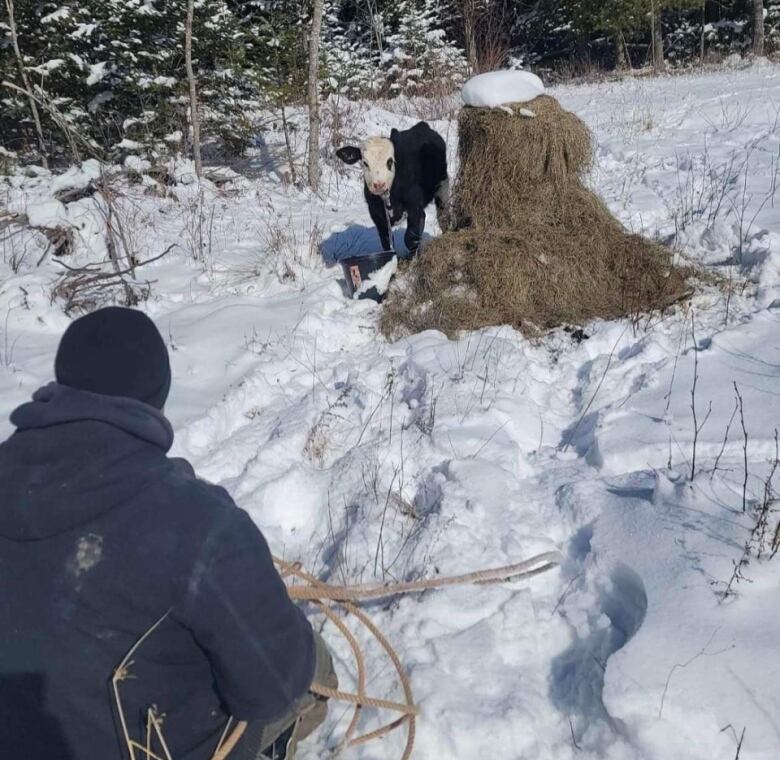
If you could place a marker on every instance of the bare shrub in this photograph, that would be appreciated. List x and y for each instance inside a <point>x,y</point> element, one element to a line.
<point>288,249</point>
<point>84,289</point>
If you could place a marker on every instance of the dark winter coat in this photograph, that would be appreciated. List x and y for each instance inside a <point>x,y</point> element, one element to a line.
<point>102,536</point>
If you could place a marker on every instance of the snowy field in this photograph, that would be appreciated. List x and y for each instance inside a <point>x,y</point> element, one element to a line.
<point>629,451</point>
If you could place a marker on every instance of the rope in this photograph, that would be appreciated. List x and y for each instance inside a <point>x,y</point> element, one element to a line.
<point>388,208</point>
<point>533,566</point>
<point>223,750</point>
<point>346,597</point>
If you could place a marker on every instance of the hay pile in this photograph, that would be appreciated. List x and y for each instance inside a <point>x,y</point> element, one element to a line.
<point>531,246</point>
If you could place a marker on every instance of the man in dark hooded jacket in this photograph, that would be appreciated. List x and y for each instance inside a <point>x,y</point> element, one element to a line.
<point>106,542</point>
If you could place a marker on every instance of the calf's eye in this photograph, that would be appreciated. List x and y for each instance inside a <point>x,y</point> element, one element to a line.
<point>389,163</point>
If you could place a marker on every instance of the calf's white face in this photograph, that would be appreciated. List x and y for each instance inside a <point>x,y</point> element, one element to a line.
<point>378,156</point>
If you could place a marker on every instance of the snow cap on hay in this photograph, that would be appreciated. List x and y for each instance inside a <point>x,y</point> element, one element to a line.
<point>532,246</point>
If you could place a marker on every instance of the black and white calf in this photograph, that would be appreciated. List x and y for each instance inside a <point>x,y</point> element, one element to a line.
<point>402,176</point>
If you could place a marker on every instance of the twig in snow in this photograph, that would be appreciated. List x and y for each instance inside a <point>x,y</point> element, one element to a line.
<point>737,740</point>
<point>380,546</point>
<point>682,665</point>
<point>562,597</point>
<point>573,739</point>
<point>595,393</point>
<point>760,533</point>
<point>697,428</point>
<point>739,744</point>
<point>725,440</point>
<point>744,445</point>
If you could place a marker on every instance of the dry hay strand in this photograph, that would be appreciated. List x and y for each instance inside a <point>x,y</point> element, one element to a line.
<point>506,161</point>
<point>534,279</point>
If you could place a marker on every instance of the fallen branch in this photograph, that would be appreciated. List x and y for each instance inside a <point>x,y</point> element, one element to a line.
<point>87,288</point>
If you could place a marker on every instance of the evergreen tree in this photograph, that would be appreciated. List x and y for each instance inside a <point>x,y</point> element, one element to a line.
<point>417,50</point>
<point>108,76</point>
<point>350,56</point>
<point>113,70</point>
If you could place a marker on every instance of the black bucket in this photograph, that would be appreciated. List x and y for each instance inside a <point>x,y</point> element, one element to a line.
<point>357,269</point>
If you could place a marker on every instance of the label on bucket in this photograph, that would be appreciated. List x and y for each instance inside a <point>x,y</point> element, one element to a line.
<point>354,273</point>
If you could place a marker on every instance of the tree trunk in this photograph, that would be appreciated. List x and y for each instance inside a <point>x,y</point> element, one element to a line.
<point>621,60</point>
<point>582,48</point>
<point>658,38</point>
<point>9,4</point>
<point>758,27</point>
<point>194,117</point>
<point>315,121</point>
<point>703,25</point>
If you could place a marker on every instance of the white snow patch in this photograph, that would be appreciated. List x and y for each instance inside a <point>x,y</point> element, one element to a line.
<point>102,97</point>
<point>83,30</point>
<point>145,82</point>
<point>58,15</point>
<point>78,176</point>
<point>137,164</point>
<point>97,72</point>
<point>498,88</point>
<point>379,279</point>
<point>47,214</point>
<point>49,66</point>
<point>127,144</point>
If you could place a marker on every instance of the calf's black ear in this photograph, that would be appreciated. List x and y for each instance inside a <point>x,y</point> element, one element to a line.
<point>349,154</point>
<point>393,133</point>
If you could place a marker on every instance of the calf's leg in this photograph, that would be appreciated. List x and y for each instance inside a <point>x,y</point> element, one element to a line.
<point>442,201</point>
<point>376,207</point>
<point>415,226</point>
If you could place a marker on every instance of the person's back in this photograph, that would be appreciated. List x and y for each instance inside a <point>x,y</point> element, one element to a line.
<point>103,539</point>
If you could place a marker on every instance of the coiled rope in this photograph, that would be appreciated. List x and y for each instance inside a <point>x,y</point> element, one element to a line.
<point>323,595</point>
<point>347,597</point>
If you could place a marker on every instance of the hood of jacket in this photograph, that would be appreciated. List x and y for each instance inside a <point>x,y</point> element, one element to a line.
<point>74,456</point>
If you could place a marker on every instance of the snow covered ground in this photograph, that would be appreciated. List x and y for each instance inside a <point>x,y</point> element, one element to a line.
<point>394,461</point>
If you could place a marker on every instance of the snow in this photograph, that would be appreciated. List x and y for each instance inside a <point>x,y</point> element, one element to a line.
<point>373,460</point>
<point>128,144</point>
<point>48,214</point>
<point>97,72</point>
<point>99,99</point>
<point>145,82</point>
<point>58,15</point>
<point>137,164</point>
<point>83,30</point>
<point>78,176</point>
<point>48,67</point>
<point>380,279</point>
<point>498,88</point>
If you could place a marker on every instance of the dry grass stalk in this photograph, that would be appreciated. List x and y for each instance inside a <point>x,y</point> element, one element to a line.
<point>532,246</point>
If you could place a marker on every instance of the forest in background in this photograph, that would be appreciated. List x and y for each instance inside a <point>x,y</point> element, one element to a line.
<point>109,77</point>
